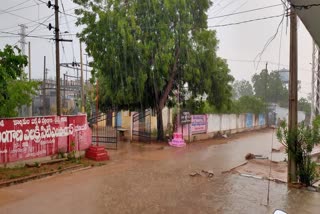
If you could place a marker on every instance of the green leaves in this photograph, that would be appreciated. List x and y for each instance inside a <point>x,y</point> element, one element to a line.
<point>143,50</point>
<point>242,88</point>
<point>15,90</point>
<point>299,143</point>
<point>269,87</point>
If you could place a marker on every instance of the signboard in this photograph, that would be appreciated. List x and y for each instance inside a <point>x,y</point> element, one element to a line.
<point>185,118</point>
<point>27,138</point>
<point>199,124</point>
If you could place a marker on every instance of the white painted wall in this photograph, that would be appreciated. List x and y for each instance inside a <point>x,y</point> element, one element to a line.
<point>213,123</point>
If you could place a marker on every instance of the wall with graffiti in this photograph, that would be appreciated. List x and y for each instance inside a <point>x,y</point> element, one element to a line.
<point>27,138</point>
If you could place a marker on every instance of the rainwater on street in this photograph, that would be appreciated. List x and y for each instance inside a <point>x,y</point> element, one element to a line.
<point>156,179</point>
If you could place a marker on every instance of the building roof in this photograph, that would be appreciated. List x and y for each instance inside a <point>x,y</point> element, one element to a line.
<point>310,16</point>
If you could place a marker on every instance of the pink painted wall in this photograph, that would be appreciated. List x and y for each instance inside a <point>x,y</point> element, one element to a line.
<point>27,138</point>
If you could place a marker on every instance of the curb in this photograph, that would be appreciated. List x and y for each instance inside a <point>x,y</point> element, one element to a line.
<point>38,176</point>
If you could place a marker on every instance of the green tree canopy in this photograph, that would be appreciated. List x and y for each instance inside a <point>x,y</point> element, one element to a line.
<point>304,105</point>
<point>143,50</point>
<point>249,104</point>
<point>269,87</point>
<point>242,88</point>
<point>15,90</point>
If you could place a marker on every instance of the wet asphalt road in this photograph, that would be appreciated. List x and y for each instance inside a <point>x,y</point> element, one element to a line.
<point>155,179</point>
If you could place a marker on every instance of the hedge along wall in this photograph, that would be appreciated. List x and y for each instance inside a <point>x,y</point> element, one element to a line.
<point>34,137</point>
<point>206,126</point>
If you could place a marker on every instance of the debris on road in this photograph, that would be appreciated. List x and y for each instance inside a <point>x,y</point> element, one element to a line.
<point>208,173</point>
<point>275,150</point>
<point>230,170</point>
<point>194,174</point>
<point>251,156</point>
<point>251,176</point>
<point>225,136</point>
<point>204,173</point>
<point>261,157</point>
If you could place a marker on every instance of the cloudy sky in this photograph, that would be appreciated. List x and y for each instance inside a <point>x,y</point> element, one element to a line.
<point>239,43</point>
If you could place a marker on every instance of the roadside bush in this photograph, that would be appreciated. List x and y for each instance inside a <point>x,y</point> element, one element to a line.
<point>299,143</point>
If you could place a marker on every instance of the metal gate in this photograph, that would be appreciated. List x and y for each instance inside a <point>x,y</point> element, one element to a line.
<point>141,126</point>
<point>104,130</point>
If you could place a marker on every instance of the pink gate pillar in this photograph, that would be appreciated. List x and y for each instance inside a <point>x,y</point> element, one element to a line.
<point>177,140</point>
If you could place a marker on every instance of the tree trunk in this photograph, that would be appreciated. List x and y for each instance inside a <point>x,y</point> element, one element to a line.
<point>160,134</point>
<point>164,97</point>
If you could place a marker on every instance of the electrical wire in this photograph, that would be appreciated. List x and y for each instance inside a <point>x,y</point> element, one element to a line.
<point>238,8</point>
<point>246,21</point>
<point>33,21</point>
<point>43,2</point>
<point>21,8</point>
<point>224,7</point>
<point>259,55</point>
<point>13,14</point>
<point>245,11</point>
<point>36,27</point>
<point>19,4</point>
<point>68,27</point>
<point>31,36</point>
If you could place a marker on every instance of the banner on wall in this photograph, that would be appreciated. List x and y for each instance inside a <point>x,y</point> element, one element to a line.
<point>199,124</point>
<point>249,120</point>
<point>27,138</point>
<point>262,121</point>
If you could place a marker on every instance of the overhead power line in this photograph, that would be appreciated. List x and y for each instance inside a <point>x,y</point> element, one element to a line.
<point>246,21</point>
<point>31,36</point>
<point>19,4</point>
<point>42,1</point>
<point>16,15</point>
<point>36,21</point>
<point>42,23</point>
<point>20,8</point>
<point>246,11</point>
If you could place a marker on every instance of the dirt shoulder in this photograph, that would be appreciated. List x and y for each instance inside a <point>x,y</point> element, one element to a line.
<point>19,173</point>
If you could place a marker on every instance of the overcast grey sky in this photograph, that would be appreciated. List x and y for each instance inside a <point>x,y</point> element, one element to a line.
<point>239,44</point>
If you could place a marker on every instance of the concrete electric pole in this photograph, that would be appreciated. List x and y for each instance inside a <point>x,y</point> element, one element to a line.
<point>58,97</point>
<point>81,80</point>
<point>293,95</point>
<point>29,54</point>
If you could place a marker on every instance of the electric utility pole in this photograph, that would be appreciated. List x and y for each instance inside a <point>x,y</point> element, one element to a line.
<point>56,13</point>
<point>58,40</point>
<point>81,79</point>
<point>293,96</point>
<point>29,54</point>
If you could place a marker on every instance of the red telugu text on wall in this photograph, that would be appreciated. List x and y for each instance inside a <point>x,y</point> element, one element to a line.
<point>27,138</point>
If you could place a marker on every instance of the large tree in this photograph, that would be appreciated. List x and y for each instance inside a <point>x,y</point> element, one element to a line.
<point>144,50</point>
<point>242,88</point>
<point>269,87</point>
<point>15,90</point>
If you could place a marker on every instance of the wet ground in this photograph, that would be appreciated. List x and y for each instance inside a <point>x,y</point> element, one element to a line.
<point>155,179</point>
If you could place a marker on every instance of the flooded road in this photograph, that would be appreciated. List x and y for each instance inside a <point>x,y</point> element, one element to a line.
<point>155,179</point>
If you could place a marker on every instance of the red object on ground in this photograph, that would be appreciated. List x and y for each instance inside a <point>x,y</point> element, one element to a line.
<point>97,153</point>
